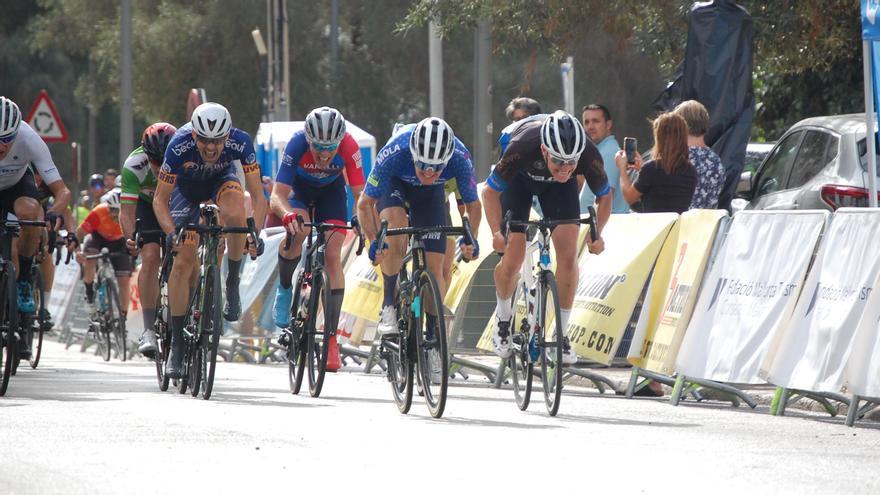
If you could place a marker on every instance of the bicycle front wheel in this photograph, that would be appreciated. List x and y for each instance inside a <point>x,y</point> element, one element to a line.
<point>163,341</point>
<point>430,338</point>
<point>8,322</point>
<point>318,331</point>
<point>551,338</point>
<point>521,366</point>
<point>297,346</point>
<point>211,324</point>
<point>35,337</point>
<point>116,321</point>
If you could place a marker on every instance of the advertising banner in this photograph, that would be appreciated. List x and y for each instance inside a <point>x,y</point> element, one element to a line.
<point>751,290</point>
<point>812,351</point>
<point>66,278</point>
<point>672,295</point>
<point>609,284</point>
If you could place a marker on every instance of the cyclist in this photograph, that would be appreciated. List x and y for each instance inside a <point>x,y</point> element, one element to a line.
<point>318,161</point>
<point>200,165</point>
<point>96,189</point>
<point>410,172</point>
<point>100,230</point>
<point>19,146</point>
<point>550,159</point>
<point>138,186</point>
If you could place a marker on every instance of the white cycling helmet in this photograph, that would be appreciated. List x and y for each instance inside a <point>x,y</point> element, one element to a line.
<point>112,198</point>
<point>325,126</point>
<point>10,117</point>
<point>211,120</point>
<point>432,144</point>
<point>563,136</point>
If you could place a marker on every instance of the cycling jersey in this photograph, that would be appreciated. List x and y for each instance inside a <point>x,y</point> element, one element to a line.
<point>28,147</point>
<point>185,167</point>
<point>395,160</point>
<point>138,180</point>
<point>504,138</point>
<point>99,221</point>
<point>298,163</point>
<point>523,157</point>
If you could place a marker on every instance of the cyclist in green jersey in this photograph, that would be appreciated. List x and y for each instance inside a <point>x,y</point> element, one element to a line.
<point>138,185</point>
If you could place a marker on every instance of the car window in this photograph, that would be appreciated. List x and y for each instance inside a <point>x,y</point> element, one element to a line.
<point>775,169</point>
<point>811,158</point>
<point>863,155</point>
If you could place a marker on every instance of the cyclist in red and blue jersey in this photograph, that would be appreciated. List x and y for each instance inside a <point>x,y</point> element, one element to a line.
<point>406,189</point>
<point>318,162</point>
<point>200,165</point>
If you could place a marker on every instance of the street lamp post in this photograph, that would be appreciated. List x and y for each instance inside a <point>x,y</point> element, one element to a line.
<point>264,89</point>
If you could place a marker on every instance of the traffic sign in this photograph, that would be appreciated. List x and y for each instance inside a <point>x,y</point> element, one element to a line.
<point>45,120</point>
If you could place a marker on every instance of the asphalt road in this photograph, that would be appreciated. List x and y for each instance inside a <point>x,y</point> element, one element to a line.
<point>79,425</point>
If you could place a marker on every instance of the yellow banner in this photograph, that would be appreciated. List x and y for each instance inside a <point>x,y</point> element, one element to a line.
<point>363,289</point>
<point>674,289</point>
<point>609,284</point>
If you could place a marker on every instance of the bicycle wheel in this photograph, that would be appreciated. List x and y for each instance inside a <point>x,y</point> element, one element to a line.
<point>35,335</point>
<point>195,369</point>
<point>211,324</point>
<point>296,347</point>
<point>400,369</point>
<point>521,366</point>
<point>116,321</point>
<point>430,338</point>
<point>163,341</point>
<point>318,331</point>
<point>551,337</point>
<point>8,322</point>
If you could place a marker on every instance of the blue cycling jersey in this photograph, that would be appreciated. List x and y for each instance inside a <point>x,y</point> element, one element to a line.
<point>395,160</point>
<point>184,164</point>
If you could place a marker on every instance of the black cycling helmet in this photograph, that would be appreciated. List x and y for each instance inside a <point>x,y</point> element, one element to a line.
<point>156,138</point>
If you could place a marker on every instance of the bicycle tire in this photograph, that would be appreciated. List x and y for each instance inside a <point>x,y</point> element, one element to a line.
<point>551,348</point>
<point>319,305</point>
<point>430,342</point>
<point>35,338</point>
<point>521,366</point>
<point>163,341</point>
<point>116,321</point>
<point>9,320</point>
<point>196,370</point>
<point>401,368</point>
<point>212,328</point>
<point>296,347</point>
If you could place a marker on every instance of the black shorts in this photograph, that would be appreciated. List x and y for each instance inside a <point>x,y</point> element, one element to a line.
<point>559,201</point>
<point>146,220</point>
<point>26,187</point>
<point>426,207</point>
<point>119,257</point>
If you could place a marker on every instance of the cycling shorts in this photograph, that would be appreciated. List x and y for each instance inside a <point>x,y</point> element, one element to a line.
<point>119,256</point>
<point>558,200</point>
<point>26,187</point>
<point>425,205</point>
<point>146,220</point>
<point>330,201</point>
<point>186,197</point>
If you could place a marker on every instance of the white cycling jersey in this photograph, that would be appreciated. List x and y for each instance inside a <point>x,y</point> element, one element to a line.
<point>28,147</point>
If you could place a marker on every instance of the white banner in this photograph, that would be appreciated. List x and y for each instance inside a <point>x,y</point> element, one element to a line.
<point>751,289</point>
<point>66,278</point>
<point>814,348</point>
<point>256,273</point>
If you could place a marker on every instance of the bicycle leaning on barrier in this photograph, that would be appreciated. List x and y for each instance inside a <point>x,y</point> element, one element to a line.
<point>537,335</point>
<point>308,335</point>
<point>421,340</point>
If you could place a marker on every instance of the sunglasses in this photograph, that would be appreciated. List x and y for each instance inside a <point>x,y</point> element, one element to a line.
<point>430,167</point>
<point>210,141</point>
<point>564,163</point>
<point>323,148</point>
<point>8,139</point>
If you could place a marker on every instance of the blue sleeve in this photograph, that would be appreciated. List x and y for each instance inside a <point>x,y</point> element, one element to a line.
<point>602,191</point>
<point>293,153</point>
<point>496,182</point>
<point>464,176</point>
<point>175,153</point>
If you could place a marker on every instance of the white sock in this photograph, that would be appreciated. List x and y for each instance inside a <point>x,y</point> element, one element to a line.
<point>503,308</point>
<point>564,315</point>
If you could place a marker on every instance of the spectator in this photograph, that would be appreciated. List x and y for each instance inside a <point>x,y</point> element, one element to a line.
<point>96,190</point>
<point>666,183</point>
<point>522,107</point>
<point>598,124</point>
<point>710,171</point>
<point>110,178</point>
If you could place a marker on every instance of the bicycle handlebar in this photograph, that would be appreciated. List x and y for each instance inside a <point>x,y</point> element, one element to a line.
<point>323,227</point>
<point>507,222</point>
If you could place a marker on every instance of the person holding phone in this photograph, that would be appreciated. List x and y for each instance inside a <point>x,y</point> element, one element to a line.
<point>598,124</point>
<point>666,183</point>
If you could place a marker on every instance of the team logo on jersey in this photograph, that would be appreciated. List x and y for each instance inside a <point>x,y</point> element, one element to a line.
<point>358,159</point>
<point>251,158</point>
<point>190,166</point>
<point>183,147</point>
<point>235,145</point>
<point>540,164</point>
<point>386,152</point>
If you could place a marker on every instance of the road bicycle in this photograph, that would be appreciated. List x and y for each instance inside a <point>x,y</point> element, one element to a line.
<point>13,324</point>
<point>41,322</point>
<point>536,329</point>
<point>204,322</point>
<point>421,341</point>
<point>161,324</point>
<point>107,325</point>
<point>308,335</point>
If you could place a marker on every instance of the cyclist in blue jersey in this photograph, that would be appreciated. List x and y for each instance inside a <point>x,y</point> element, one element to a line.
<point>550,158</point>
<point>200,165</point>
<point>318,162</point>
<point>406,188</point>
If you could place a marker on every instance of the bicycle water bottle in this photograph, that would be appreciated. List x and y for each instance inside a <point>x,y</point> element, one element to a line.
<point>102,297</point>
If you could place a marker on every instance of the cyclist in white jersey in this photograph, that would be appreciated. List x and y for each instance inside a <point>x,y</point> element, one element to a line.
<point>19,146</point>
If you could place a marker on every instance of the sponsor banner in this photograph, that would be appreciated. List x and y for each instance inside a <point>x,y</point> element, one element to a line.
<point>750,291</point>
<point>673,291</point>
<point>363,289</point>
<point>134,320</point>
<point>256,273</point>
<point>812,351</point>
<point>862,375</point>
<point>609,284</point>
<point>463,272</point>
<point>66,278</point>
